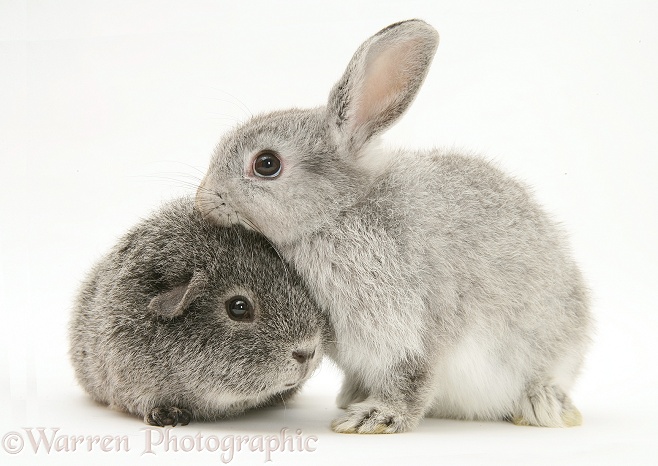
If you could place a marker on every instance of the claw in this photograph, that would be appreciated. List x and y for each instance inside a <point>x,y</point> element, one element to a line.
<point>172,416</point>
<point>364,418</point>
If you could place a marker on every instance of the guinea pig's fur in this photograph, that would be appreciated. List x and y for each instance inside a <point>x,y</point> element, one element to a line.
<point>151,332</point>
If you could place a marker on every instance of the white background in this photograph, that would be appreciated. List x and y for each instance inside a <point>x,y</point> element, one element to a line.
<point>108,109</point>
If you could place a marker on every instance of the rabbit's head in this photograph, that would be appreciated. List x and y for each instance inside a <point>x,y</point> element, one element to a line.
<point>289,173</point>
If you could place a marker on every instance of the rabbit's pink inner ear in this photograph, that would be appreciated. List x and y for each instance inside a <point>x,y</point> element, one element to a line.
<point>384,85</point>
<point>382,80</point>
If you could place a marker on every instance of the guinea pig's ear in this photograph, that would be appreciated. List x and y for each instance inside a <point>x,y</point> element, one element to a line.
<point>381,81</point>
<point>174,302</point>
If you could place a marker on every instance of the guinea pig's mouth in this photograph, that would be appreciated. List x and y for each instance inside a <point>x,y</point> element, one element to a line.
<point>299,381</point>
<point>302,377</point>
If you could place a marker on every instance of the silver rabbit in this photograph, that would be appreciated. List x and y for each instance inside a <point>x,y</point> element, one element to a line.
<point>450,291</point>
<point>186,320</point>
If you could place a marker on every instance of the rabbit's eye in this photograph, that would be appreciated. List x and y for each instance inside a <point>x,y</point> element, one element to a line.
<point>240,308</point>
<point>267,165</point>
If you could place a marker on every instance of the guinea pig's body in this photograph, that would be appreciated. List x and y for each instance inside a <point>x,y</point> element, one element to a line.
<point>186,320</point>
<point>450,291</point>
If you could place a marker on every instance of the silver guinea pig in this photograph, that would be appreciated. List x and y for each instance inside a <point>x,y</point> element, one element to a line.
<point>184,320</point>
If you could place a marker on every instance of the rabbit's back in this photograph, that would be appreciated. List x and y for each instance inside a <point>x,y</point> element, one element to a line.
<point>486,237</point>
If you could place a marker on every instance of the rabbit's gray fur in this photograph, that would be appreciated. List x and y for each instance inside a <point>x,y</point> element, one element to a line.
<point>150,333</point>
<point>451,292</point>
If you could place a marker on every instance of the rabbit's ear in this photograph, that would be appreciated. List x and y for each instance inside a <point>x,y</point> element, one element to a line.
<point>174,302</point>
<point>381,81</point>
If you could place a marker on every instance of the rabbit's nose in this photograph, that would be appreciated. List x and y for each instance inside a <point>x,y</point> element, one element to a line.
<point>302,356</point>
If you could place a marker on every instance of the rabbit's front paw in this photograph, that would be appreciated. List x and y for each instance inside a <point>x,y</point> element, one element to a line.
<point>369,418</point>
<point>168,417</point>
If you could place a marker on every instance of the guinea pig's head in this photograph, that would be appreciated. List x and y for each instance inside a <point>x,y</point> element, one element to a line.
<point>245,326</point>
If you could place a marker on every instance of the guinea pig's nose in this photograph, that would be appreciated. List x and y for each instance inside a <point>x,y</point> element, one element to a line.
<point>302,356</point>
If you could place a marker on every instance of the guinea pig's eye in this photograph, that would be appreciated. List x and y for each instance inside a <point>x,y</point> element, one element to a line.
<point>240,308</point>
<point>267,165</point>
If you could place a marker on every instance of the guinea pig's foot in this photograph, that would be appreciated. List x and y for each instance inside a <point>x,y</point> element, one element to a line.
<point>171,416</point>
<point>368,418</point>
